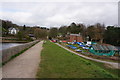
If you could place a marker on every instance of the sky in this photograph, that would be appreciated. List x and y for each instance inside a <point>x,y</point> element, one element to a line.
<point>56,13</point>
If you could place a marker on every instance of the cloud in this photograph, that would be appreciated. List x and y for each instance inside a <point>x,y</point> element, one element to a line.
<point>59,0</point>
<point>59,13</point>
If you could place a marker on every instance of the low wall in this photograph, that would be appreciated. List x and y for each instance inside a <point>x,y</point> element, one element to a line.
<point>8,53</point>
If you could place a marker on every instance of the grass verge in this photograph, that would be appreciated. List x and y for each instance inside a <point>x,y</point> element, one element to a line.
<point>57,62</point>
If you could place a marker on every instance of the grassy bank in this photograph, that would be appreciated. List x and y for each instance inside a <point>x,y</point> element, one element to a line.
<point>59,63</point>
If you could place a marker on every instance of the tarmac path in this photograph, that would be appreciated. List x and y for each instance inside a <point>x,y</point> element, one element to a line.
<point>24,65</point>
<point>111,64</point>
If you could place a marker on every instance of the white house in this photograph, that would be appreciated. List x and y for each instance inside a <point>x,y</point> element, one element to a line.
<point>13,30</point>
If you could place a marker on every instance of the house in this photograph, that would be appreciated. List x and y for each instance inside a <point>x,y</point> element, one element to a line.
<point>103,50</point>
<point>32,36</point>
<point>75,38</point>
<point>13,30</point>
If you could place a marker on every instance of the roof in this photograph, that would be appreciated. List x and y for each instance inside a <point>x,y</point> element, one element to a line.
<point>75,34</point>
<point>104,47</point>
<point>13,28</point>
<point>31,35</point>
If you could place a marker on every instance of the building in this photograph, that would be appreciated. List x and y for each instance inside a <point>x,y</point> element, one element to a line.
<point>103,50</point>
<point>75,38</point>
<point>13,30</point>
<point>32,36</point>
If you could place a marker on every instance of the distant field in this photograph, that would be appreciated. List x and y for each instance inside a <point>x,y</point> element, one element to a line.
<point>59,63</point>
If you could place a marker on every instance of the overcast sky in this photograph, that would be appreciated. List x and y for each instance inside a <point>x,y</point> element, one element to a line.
<point>54,13</point>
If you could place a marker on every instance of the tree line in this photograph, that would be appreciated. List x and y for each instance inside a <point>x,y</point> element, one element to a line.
<point>97,32</point>
<point>25,32</point>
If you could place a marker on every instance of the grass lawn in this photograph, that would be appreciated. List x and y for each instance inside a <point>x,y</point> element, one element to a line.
<point>57,62</point>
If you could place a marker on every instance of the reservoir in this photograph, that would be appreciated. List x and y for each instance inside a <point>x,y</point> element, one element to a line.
<point>8,45</point>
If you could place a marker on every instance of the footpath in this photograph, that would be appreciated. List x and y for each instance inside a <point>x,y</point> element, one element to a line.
<point>24,65</point>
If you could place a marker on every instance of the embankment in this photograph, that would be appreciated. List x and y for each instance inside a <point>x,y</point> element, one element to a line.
<point>8,53</point>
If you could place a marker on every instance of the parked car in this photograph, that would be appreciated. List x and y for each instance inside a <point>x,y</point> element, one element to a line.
<point>64,41</point>
<point>54,41</point>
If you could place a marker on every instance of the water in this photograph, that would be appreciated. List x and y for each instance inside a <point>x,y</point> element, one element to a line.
<point>8,45</point>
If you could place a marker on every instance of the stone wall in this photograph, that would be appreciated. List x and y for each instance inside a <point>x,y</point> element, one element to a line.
<point>8,53</point>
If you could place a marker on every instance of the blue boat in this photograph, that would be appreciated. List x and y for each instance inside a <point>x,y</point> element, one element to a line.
<point>71,46</point>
